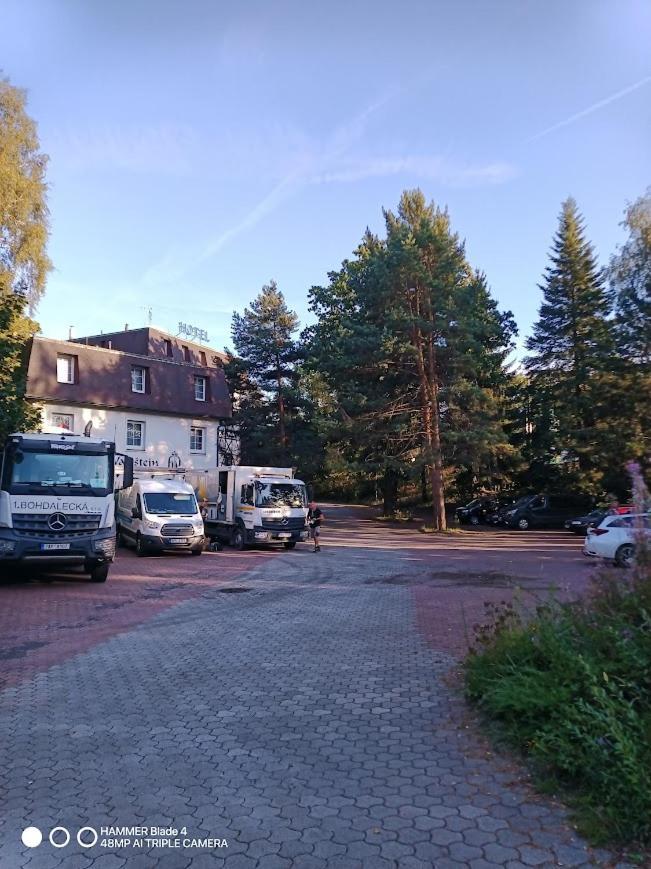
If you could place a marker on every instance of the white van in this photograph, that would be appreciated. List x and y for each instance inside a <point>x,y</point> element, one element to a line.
<point>155,515</point>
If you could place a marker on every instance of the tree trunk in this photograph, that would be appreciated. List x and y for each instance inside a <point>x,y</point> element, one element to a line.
<point>423,484</point>
<point>431,429</point>
<point>281,410</point>
<point>389,492</point>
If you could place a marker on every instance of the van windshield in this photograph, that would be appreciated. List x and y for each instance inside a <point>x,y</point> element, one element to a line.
<point>279,495</point>
<point>164,503</point>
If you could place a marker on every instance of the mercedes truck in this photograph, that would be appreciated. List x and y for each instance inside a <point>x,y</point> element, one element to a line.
<point>57,504</point>
<point>244,505</point>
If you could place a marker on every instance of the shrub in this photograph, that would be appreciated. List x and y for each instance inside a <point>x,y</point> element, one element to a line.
<point>570,686</point>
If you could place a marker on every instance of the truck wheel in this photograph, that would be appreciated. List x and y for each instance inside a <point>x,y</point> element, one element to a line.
<point>625,555</point>
<point>140,547</point>
<point>523,524</point>
<point>290,544</point>
<point>238,540</point>
<point>99,573</point>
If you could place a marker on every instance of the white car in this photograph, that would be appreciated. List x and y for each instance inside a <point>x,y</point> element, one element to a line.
<point>614,537</point>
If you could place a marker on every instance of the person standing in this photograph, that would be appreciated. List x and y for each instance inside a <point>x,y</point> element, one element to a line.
<point>315,517</point>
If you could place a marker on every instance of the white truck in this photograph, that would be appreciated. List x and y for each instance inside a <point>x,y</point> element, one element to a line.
<point>245,505</point>
<point>57,504</point>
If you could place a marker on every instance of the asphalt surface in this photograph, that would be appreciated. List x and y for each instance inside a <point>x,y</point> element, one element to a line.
<point>273,709</point>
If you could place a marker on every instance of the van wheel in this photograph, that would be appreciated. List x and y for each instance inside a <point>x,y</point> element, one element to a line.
<point>290,544</point>
<point>120,539</point>
<point>523,524</point>
<point>140,547</point>
<point>625,555</point>
<point>99,573</point>
<point>238,541</point>
<point>196,551</point>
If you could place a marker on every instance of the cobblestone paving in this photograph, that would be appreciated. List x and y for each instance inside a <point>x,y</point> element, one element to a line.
<point>306,722</point>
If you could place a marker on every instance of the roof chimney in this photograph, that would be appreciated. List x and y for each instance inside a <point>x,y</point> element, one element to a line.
<point>126,327</point>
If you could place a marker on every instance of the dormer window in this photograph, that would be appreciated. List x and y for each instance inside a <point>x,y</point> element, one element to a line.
<point>65,368</point>
<point>168,347</point>
<point>138,378</point>
<point>199,388</point>
<point>186,353</point>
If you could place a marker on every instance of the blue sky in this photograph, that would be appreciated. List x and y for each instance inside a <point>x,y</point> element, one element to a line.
<point>199,149</point>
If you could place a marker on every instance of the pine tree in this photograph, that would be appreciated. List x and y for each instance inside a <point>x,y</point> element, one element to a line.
<point>413,346</point>
<point>264,338</point>
<point>572,347</point>
<point>23,209</point>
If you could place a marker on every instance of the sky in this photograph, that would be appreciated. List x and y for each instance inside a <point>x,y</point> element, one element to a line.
<point>199,149</point>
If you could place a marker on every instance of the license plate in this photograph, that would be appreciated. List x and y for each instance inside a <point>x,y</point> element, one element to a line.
<point>178,540</point>
<point>55,546</point>
<point>284,535</point>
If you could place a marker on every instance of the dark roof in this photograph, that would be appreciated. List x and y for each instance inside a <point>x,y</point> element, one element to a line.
<point>103,379</point>
<point>149,341</point>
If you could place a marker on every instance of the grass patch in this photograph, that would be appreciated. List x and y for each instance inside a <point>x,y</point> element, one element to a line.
<point>570,687</point>
<point>430,529</point>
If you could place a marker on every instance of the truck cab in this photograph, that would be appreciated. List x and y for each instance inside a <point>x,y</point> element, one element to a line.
<point>57,506</point>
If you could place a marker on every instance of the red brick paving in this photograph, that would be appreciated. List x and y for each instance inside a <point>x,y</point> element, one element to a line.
<point>45,623</point>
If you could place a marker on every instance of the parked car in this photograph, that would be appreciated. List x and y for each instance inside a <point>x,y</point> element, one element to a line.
<point>496,516</point>
<point>544,511</point>
<point>580,524</point>
<point>614,538</point>
<point>476,511</point>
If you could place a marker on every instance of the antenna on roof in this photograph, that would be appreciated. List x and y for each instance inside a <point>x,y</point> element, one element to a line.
<point>70,328</point>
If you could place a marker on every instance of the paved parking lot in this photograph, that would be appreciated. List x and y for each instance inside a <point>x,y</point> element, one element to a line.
<point>294,705</point>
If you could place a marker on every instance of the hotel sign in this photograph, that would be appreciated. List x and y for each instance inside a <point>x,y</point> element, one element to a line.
<point>193,332</point>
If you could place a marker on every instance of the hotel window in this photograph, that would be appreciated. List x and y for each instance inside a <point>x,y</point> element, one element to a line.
<point>197,439</point>
<point>138,378</point>
<point>135,435</point>
<point>202,357</point>
<point>65,368</point>
<point>168,347</point>
<point>63,420</point>
<point>199,388</point>
<point>186,353</point>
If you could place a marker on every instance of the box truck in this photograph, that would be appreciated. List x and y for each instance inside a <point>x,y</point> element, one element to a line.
<point>244,505</point>
<point>57,503</point>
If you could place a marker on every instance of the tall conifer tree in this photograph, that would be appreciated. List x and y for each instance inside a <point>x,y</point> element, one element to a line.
<point>571,346</point>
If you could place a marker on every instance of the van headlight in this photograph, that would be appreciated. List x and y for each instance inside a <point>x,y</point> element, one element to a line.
<point>151,524</point>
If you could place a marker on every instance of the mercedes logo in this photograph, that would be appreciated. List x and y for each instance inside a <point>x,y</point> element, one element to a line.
<point>284,520</point>
<point>57,522</point>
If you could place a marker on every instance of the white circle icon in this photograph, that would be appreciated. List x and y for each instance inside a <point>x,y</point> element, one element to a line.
<point>93,833</point>
<point>31,837</point>
<point>59,830</point>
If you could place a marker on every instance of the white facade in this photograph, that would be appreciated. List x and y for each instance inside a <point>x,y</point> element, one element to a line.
<point>153,440</point>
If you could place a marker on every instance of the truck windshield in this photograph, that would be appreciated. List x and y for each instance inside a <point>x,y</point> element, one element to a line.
<point>279,495</point>
<point>35,473</point>
<point>163,503</point>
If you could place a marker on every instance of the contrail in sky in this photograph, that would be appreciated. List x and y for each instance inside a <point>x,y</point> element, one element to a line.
<point>593,108</point>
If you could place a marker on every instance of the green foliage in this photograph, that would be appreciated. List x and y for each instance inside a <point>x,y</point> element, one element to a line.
<point>412,347</point>
<point>571,688</point>
<point>630,281</point>
<point>572,350</point>
<point>15,331</point>
<point>23,209</point>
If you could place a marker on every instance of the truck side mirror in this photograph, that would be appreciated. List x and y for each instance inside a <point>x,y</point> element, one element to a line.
<point>127,477</point>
